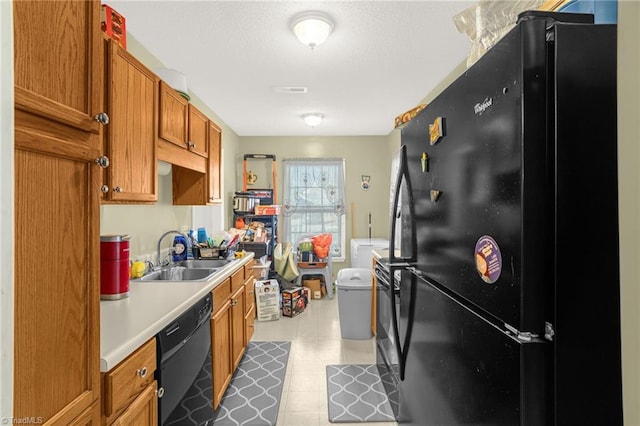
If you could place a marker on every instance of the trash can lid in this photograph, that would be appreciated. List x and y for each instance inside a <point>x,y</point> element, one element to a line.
<point>354,278</point>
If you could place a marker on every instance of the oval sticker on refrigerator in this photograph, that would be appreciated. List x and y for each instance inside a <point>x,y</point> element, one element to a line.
<point>488,259</point>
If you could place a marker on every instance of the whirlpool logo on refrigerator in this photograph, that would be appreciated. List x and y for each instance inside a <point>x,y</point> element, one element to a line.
<point>481,107</point>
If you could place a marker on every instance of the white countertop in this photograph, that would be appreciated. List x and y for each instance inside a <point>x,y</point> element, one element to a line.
<point>380,253</point>
<point>128,323</point>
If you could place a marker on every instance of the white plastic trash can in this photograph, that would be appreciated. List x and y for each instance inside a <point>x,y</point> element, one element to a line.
<point>354,303</point>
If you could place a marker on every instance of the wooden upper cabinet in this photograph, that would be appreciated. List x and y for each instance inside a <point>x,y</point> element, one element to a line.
<point>131,136</point>
<point>58,62</point>
<point>197,141</point>
<point>174,116</point>
<point>215,164</point>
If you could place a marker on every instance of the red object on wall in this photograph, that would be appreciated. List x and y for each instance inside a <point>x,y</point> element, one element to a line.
<point>114,267</point>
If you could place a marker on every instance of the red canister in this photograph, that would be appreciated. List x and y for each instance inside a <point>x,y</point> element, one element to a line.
<point>114,267</point>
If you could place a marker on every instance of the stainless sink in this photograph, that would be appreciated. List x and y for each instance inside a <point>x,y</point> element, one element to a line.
<point>204,263</point>
<point>179,273</point>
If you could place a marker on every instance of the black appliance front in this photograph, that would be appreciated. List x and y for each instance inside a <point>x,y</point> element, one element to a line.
<point>184,368</point>
<point>480,186</point>
<point>387,359</point>
<point>511,168</point>
<point>462,370</point>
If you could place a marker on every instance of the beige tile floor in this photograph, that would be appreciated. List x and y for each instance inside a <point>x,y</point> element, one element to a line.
<point>315,343</point>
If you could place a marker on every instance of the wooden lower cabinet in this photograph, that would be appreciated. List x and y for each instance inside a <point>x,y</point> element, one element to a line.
<point>249,303</point>
<point>221,351</point>
<point>231,328</point>
<point>143,411</point>
<point>249,320</point>
<point>237,327</point>
<point>130,391</point>
<point>90,417</point>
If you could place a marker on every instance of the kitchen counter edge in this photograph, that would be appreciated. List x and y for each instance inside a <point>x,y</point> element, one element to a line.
<point>127,324</point>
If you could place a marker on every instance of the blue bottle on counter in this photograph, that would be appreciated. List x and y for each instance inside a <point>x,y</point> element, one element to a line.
<point>179,248</point>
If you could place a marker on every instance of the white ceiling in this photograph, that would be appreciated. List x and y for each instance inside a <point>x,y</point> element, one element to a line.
<point>382,59</point>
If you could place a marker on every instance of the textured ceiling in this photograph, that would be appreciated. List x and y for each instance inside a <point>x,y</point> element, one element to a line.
<point>382,59</point>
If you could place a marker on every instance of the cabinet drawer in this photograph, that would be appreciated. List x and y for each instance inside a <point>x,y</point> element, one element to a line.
<point>221,294</point>
<point>126,380</point>
<point>237,279</point>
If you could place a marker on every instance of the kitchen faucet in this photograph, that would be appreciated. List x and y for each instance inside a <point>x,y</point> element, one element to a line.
<point>160,241</point>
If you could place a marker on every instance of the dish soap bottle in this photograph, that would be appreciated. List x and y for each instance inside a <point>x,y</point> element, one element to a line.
<point>179,248</point>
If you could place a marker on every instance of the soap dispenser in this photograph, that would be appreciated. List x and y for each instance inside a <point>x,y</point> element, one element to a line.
<point>179,248</point>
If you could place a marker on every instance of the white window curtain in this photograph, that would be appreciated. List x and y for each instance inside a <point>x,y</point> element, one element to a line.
<point>314,200</point>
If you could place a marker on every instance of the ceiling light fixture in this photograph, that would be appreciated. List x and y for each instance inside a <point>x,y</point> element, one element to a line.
<point>312,119</point>
<point>312,28</point>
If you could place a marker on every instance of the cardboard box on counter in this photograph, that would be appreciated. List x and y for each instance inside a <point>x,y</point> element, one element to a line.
<point>293,302</point>
<point>267,300</point>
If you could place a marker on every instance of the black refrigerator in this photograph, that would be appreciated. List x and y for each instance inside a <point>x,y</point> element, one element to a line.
<point>507,269</point>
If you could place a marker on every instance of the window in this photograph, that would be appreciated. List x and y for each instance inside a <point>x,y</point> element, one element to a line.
<point>314,201</point>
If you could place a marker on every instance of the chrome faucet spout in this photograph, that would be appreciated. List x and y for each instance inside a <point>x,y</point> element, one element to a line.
<point>160,263</point>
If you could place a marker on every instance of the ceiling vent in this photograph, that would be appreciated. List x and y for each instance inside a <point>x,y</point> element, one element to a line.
<point>291,89</point>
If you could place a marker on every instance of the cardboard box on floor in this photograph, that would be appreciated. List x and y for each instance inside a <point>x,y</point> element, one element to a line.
<point>314,286</point>
<point>267,300</point>
<point>293,302</point>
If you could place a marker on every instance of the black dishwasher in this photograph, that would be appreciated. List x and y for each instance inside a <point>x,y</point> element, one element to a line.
<point>184,373</point>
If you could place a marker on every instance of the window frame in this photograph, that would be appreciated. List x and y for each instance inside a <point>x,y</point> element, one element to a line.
<point>341,219</point>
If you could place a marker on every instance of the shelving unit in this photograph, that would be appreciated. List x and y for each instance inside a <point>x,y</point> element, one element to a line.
<point>270,226</point>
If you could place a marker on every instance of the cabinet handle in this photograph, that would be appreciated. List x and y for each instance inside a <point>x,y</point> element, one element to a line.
<point>160,392</point>
<point>142,372</point>
<point>234,302</point>
<point>103,161</point>
<point>104,189</point>
<point>102,118</point>
<point>117,189</point>
<point>191,144</point>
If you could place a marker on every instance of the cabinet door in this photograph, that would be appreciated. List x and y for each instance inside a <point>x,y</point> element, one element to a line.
<point>237,326</point>
<point>132,96</point>
<point>221,351</point>
<point>249,292</point>
<point>90,417</point>
<point>143,411</point>
<point>56,328</point>
<point>214,169</point>
<point>198,140</point>
<point>58,61</point>
<point>249,320</point>
<point>174,116</point>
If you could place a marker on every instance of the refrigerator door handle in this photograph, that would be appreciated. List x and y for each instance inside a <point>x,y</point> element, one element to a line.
<point>401,262</point>
<point>403,175</point>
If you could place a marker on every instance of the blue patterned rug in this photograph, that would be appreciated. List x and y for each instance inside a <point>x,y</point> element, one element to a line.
<point>253,396</point>
<point>356,394</point>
